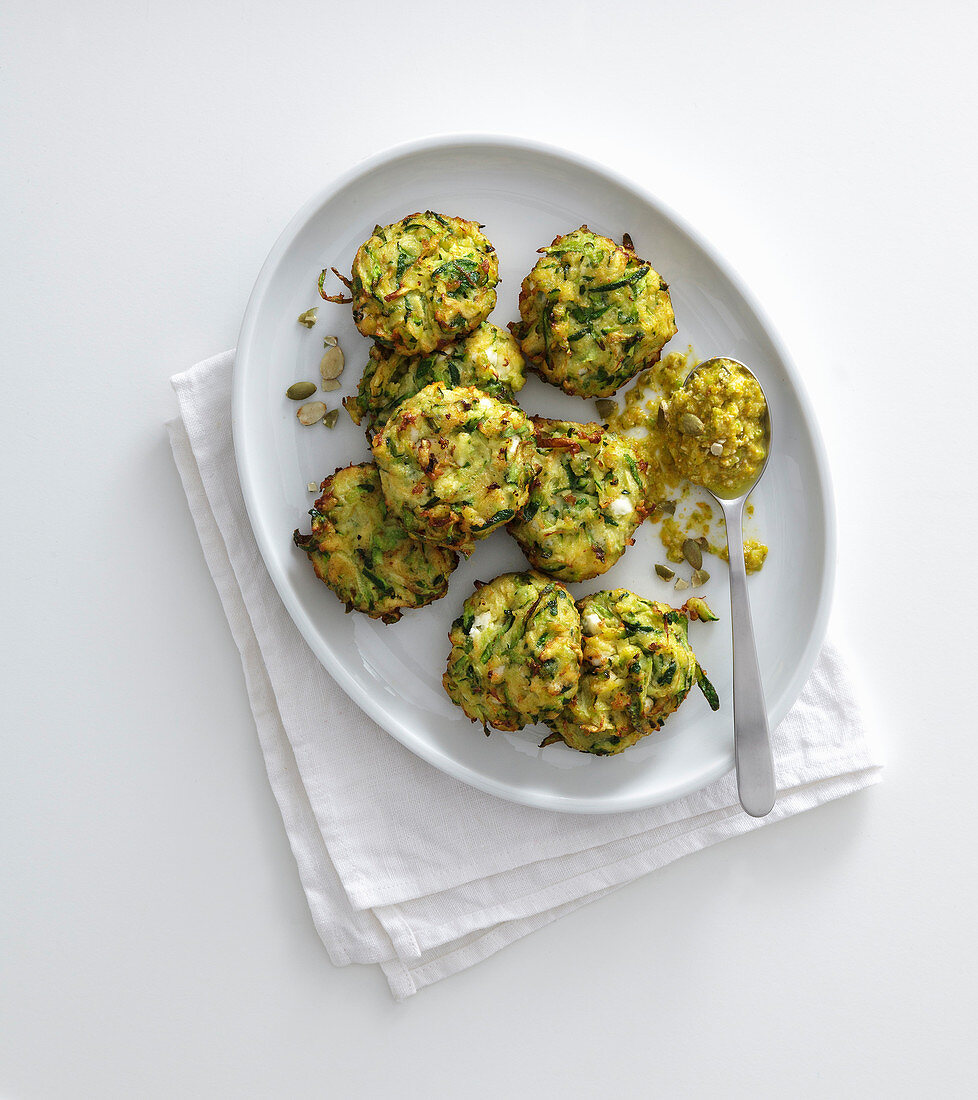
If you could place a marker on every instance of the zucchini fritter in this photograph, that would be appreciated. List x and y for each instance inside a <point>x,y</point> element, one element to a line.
<point>489,358</point>
<point>593,314</point>
<point>455,464</point>
<point>516,651</point>
<point>365,555</point>
<point>637,668</point>
<point>423,282</point>
<point>586,502</point>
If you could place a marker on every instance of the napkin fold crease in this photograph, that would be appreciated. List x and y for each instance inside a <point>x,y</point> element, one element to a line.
<point>401,864</point>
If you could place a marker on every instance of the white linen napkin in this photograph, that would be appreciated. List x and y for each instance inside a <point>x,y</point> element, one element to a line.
<point>402,865</point>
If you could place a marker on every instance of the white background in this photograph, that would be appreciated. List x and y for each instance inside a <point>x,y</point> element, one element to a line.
<point>154,939</point>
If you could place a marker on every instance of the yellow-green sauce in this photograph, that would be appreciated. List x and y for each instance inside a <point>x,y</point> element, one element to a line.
<point>670,494</point>
<point>673,533</point>
<point>754,554</point>
<point>716,428</point>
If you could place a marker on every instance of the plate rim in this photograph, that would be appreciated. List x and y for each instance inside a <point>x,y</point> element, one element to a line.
<point>244,464</point>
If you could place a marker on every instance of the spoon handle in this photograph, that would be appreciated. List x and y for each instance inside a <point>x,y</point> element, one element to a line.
<point>752,742</point>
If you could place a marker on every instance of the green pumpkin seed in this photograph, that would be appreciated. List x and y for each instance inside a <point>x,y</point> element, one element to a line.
<point>660,416</point>
<point>605,407</point>
<point>702,543</point>
<point>664,572</point>
<point>329,420</point>
<point>700,576</point>
<point>309,317</point>
<point>311,413</point>
<point>299,391</point>
<point>680,584</point>
<point>330,341</point>
<point>666,507</point>
<point>692,553</point>
<point>690,424</point>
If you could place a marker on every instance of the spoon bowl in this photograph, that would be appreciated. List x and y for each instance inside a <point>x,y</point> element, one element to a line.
<point>743,487</point>
<point>752,741</point>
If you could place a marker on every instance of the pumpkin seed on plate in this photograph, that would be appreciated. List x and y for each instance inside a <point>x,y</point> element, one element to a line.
<point>330,341</point>
<point>331,364</point>
<point>680,584</point>
<point>702,543</point>
<point>690,424</point>
<point>660,416</point>
<point>299,391</point>
<point>329,420</point>
<point>330,384</point>
<point>308,318</point>
<point>700,576</point>
<point>692,553</point>
<point>605,407</point>
<point>311,413</point>
<point>666,507</point>
<point>664,572</point>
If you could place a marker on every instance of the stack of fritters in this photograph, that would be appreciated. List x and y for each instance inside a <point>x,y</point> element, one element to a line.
<point>454,453</point>
<point>634,666</point>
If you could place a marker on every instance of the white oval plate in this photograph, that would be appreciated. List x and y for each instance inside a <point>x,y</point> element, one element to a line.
<point>525,194</point>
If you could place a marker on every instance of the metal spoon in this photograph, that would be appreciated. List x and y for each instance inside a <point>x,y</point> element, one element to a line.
<point>752,741</point>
